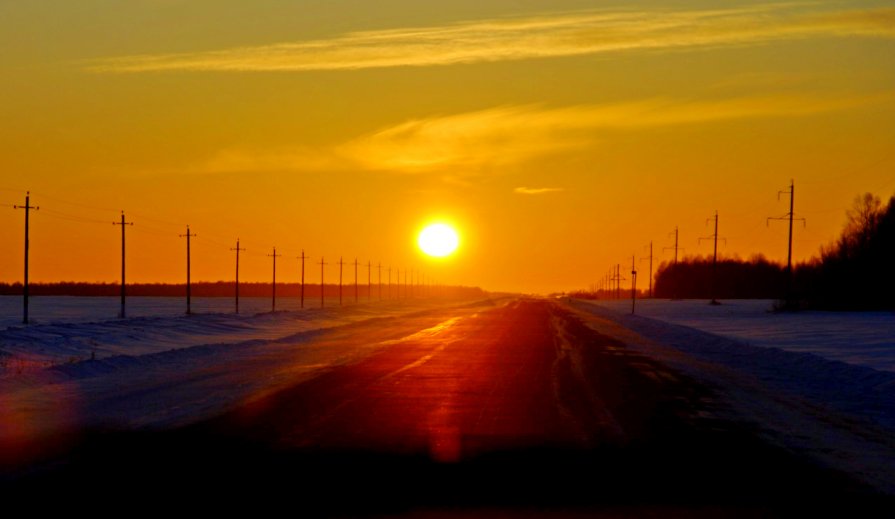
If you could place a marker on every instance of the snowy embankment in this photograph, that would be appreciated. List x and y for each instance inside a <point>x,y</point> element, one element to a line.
<point>73,329</point>
<point>164,371</point>
<point>796,353</point>
<point>780,371</point>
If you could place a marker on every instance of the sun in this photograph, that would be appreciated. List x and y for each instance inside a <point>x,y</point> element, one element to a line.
<point>438,240</point>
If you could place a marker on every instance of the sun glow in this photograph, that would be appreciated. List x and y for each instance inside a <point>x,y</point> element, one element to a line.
<point>438,240</point>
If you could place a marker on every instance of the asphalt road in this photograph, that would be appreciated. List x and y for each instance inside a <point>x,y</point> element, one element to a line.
<point>516,407</point>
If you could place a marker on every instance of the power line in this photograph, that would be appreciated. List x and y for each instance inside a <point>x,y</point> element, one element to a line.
<point>714,258</point>
<point>788,216</point>
<point>123,223</point>
<point>28,208</point>
<point>188,235</point>
<point>302,258</point>
<point>237,249</point>
<point>273,303</point>
<point>322,264</point>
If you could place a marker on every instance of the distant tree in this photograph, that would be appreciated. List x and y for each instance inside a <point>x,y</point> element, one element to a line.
<point>856,271</point>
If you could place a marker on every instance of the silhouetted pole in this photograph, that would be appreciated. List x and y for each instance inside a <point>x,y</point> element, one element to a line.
<point>188,236</point>
<point>651,269</point>
<point>27,207</point>
<point>273,286</point>
<point>714,260</point>
<point>302,257</point>
<point>405,284</point>
<point>633,282</point>
<point>341,265</point>
<point>322,264</point>
<point>379,268</point>
<point>369,280</point>
<point>676,248</point>
<point>123,224</point>
<point>389,294</point>
<point>790,216</point>
<point>237,249</point>
<point>615,280</point>
<point>355,280</point>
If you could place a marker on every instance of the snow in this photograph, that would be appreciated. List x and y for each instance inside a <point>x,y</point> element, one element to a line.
<point>808,379</point>
<point>859,338</point>
<point>167,370</point>
<point>72,329</point>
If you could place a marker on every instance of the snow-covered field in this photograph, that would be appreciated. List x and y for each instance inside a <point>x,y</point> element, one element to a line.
<point>163,370</point>
<point>817,383</point>
<point>71,329</point>
<point>859,338</point>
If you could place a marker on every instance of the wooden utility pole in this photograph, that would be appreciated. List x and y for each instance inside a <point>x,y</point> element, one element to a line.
<point>369,281</point>
<point>273,302</point>
<point>714,260</point>
<point>341,265</point>
<point>633,282</point>
<point>650,268</point>
<point>237,249</point>
<point>389,293</point>
<point>302,257</point>
<point>188,298</point>
<point>123,224</point>
<point>322,264</point>
<point>379,268</point>
<point>28,208</point>
<point>355,280</point>
<point>788,216</point>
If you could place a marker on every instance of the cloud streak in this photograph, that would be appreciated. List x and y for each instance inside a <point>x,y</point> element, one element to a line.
<point>495,139</point>
<point>546,36</point>
<point>537,190</point>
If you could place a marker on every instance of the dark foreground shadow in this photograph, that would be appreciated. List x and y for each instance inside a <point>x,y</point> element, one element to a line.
<point>190,470</point>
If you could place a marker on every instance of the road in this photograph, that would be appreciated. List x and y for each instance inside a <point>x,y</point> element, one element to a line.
<point>515,406</point>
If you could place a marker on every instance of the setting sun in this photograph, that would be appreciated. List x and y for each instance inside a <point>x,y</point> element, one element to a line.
<point>438,240</point>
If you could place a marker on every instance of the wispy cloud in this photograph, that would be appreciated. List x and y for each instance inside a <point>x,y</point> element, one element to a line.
<point>537,190</point>
<point>498,137</point>
<point>471,143</point>
<point>549,35</point>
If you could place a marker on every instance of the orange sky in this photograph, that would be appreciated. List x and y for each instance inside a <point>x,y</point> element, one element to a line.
<point>559,137</point>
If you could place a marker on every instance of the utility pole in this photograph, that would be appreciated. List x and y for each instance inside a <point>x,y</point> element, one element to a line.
<point>369,280</point>
<point>788,216</point>
<point>302,257</point>
<point>355,280</point>
<point>675,248</point>
<point>322,264</point>
<point>188,236</point>
<point>650,268</point>
<point>389,293</point>
<point>273,286</point>
<point>237,249</point>
<point>27,207</point>
<point>405,283</point>
<point>617,278</point>
<point>123,224</point>
<point>379,268</point>
<point>714,259</point>
<point>633,282</point>
<point>341,265</point>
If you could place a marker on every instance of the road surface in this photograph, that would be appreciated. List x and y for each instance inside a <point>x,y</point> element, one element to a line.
<point>517,406</point>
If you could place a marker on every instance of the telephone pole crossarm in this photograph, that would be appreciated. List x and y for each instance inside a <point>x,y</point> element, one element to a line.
<point>123,223</point>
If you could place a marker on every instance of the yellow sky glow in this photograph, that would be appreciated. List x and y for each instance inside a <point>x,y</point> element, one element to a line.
<point>558,137</point>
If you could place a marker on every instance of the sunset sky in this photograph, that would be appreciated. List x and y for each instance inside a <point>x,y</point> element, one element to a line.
<point>559,137</point>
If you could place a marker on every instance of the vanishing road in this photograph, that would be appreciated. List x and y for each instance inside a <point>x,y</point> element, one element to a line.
<point>515,405</point>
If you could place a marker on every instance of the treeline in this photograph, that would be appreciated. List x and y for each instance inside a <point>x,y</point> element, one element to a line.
<point>855,272</point>
<point>756,278</point>
<point>227,289</point>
